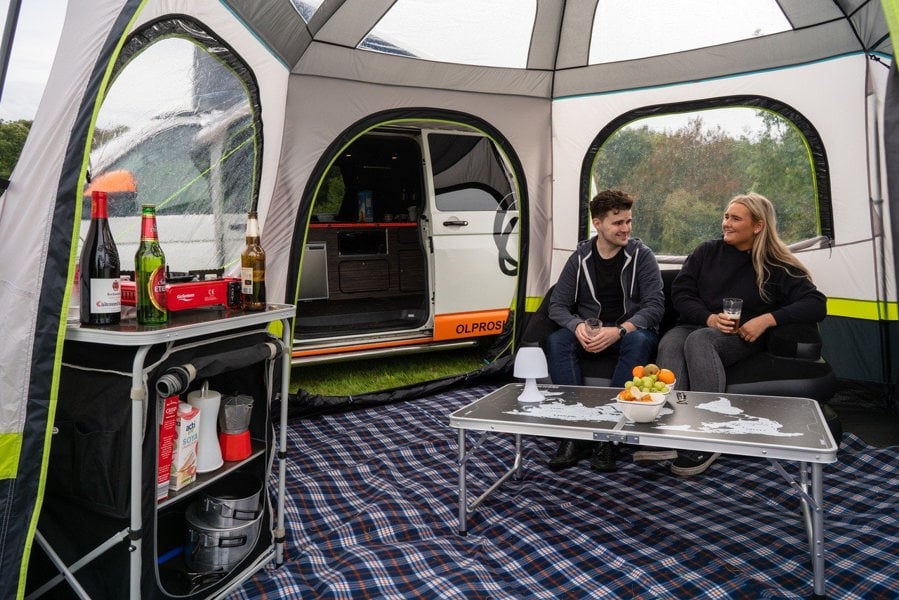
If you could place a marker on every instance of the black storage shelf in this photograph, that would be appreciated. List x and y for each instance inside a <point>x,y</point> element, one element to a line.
<point>101,487</point>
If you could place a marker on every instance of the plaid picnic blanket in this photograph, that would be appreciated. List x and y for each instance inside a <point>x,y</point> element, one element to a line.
<point>371,512</point>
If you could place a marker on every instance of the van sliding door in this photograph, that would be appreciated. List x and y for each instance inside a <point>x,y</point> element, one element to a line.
<point>473,213</point>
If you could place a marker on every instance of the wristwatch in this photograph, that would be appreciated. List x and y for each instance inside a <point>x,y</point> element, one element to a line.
<point>621,331</point>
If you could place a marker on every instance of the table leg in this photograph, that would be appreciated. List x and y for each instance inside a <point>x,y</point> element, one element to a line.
<point>517,462</point>
<point>464,508</point>
<point>138,410</point>
<point>463,496</point>
<point>818,529</point>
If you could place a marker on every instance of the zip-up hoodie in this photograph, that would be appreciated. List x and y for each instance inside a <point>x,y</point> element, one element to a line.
<point>574,297</point>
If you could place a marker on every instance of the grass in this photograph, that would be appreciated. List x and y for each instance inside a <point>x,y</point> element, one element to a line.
<point>377,374</point>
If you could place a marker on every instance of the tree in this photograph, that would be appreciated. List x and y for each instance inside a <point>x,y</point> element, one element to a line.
<point>12,139</point>
<point>683,179</point>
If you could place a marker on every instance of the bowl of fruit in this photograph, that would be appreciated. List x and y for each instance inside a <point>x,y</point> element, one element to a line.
<point>643,397</point>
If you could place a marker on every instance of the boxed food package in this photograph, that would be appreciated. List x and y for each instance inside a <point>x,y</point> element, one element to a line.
<point>167,419</point>
<point>184,451</point>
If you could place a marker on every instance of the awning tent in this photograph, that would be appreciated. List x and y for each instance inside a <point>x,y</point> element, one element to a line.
<point>323,69</point>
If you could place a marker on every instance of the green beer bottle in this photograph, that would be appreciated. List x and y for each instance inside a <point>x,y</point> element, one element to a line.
<point>149,270</point>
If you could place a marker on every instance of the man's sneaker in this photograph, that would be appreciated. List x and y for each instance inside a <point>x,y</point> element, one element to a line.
<point>691,462</point>
<point>650,453</point>
<point>603,458</point>
<point>568,454</point>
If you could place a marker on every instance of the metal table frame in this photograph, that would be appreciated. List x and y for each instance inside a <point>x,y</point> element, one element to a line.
<point>181,326</point>
<point>484,416</point>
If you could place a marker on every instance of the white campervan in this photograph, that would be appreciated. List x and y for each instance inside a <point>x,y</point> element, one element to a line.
<point>412,243</point>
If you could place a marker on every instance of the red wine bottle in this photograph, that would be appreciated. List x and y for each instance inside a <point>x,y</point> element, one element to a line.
<point>99,269</point>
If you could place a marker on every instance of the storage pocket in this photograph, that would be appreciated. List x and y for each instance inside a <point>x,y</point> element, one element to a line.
<point>100,474</point>
<point>90,455</point>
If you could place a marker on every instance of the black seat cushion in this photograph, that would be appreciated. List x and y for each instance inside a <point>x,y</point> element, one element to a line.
<point>765,374</point>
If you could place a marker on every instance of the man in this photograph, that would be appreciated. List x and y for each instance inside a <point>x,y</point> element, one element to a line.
<point>616,278</point>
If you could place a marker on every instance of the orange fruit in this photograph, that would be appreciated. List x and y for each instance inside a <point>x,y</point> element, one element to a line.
<point>666,376</point>
<point>638,371</point>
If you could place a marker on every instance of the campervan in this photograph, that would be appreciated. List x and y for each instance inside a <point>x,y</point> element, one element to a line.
<point>412,244</point>
<point>186,165</point>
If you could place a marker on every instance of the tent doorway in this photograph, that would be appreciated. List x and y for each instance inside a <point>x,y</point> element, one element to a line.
<point>412,244</point>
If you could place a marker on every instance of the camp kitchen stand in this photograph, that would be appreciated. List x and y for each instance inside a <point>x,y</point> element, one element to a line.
<point>773,427</point>
<point>101,522</point>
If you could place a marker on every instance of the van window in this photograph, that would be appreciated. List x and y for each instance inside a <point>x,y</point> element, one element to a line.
<point>468,174</point>
<point>177,129</point>
<point>684,167</point>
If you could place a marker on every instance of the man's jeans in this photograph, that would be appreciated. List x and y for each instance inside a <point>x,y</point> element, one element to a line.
<point>564,355</point>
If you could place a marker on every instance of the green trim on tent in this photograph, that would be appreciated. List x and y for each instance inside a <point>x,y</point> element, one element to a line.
<point>891,12</point>
<point>10,449</point>
<point>868,310</point>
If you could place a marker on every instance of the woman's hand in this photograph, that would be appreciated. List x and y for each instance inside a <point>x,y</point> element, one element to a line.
<point>752,329</point>
<point>721,322</point>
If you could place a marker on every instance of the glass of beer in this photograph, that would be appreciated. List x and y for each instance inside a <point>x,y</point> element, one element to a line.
<point>733,308</point>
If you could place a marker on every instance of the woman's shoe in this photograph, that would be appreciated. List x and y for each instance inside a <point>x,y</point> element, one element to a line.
<point>651,453</point>
<point>692,462</point>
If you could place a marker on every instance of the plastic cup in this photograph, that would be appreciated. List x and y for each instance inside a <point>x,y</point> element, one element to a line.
<point>733,308</point>
<point>593,326</point>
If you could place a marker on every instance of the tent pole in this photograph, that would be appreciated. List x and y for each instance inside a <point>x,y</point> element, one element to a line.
<point>9,34</point>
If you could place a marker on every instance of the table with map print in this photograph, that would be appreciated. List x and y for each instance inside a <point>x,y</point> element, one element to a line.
<point>776,428</point>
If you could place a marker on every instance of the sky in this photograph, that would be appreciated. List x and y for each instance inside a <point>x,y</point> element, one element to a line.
<point>40,23</point>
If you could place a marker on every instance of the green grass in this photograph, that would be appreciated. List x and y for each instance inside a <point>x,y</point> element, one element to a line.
<point>377,374</point>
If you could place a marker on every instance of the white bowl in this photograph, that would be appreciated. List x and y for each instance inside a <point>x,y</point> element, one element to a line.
<point>641,411</point>
<point>654,396</point>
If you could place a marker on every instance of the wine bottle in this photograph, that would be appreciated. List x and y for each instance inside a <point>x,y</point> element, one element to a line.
<point>252,268</point>
<point>149,267</point>
<point>99,269</point>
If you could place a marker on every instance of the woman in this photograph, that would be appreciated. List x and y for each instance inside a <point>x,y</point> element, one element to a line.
<point>751,262</point>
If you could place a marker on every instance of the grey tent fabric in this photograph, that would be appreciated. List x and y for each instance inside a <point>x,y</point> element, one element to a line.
<point>318,86</point>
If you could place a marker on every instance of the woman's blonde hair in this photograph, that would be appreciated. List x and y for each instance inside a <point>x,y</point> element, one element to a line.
<point>768,250</point>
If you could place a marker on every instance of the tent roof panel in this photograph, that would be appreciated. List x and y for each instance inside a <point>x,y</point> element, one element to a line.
<point>559,45</point>
<point>373,67</point>
<point>775,51</point>
<point>277,24</point>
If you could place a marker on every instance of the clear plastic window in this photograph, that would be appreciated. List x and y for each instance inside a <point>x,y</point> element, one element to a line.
<point>629,29</point>
<point>683,168</point>
<point>472,32</point>
<point>176,130</point>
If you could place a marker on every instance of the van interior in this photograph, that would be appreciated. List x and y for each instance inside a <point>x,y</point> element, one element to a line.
<point>364,265</point>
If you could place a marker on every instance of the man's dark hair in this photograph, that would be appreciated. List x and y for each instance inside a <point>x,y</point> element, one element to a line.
<point>607,200</point>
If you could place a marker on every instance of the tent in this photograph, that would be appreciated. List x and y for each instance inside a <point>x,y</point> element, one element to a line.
<point>317,75</point>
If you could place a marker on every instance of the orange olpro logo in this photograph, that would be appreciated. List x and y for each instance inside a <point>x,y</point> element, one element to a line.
<point>471,324</point>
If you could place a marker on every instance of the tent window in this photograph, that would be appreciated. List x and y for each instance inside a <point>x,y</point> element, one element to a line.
<point>177,129</point>
<point>470,32</point>
<point>629,29</point>
<point>306,8</point>
<point>683,168</point>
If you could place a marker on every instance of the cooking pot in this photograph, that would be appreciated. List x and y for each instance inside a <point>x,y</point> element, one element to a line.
<point>231,501</point>
<point>209,549</point>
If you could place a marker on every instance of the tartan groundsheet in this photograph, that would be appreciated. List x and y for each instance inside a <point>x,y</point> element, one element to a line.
<point>371,512</point>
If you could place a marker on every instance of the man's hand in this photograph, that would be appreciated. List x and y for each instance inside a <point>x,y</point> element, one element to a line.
<point>605,338</point>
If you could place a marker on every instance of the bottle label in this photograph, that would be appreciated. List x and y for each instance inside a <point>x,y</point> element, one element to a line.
<point>246,280</point>
<point>148,228</point>
<point>106,297</point>
<point>156,288</point>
